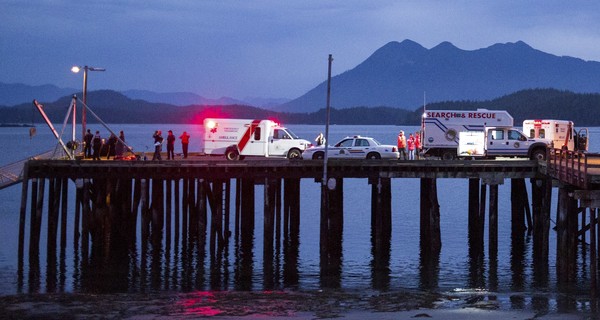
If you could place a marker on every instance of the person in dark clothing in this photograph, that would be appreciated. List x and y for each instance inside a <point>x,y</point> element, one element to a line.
<point>185,141</point>
<point>170,146</point>
<point>87,147</point>
<point>112,142</point>
<point>97,144</point>
<point>120,147</point>
<point>158,140</point>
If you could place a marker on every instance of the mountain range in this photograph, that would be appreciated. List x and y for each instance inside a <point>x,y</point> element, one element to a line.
<point>15,93</point>
<point>400,75</point>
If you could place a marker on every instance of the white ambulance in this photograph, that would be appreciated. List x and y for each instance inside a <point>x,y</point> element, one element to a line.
<point>561,132</point>
<point>237,138</point>
<point>440,128</point>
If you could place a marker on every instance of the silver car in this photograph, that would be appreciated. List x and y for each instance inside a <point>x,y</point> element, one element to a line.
<point>355,147</point>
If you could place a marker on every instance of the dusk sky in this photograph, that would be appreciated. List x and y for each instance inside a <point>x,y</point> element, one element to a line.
<point>261,48</point>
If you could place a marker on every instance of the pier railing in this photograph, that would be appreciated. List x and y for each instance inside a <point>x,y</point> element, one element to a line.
<point>11,174</point>
<point>573,167</point>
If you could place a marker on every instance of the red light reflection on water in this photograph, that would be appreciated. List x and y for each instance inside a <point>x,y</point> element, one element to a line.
<point>197,304</point>
<point>266,303</point>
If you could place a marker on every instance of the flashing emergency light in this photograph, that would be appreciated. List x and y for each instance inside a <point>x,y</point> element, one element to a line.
<point>211,124</point>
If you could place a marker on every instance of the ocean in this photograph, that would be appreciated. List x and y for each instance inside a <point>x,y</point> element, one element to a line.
<point>454,274</point>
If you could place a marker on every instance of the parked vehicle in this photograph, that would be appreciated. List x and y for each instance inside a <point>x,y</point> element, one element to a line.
<point>440,128</point>
<point>562,133</point>
<point>493,135</point>
<point>356,147</point>
<point>500,142</point>
<point>237,138</point>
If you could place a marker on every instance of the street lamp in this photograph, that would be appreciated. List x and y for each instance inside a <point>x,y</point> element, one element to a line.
<point>76,69</point>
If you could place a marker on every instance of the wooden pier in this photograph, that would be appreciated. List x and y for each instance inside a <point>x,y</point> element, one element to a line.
<point>176,200</point>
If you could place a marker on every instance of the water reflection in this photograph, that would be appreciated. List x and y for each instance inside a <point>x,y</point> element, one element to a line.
<point>184,255</point>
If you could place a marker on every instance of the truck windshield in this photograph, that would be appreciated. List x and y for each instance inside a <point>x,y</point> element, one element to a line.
<point>293,135</point>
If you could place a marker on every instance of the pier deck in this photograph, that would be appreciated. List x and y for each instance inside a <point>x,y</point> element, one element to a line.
<point>282,168</point>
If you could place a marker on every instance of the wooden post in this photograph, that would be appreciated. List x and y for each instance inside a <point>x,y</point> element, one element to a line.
<point>178,205</point>
<point>593,262</point>
<point>22,218</point>
<point>541,194</point>
<point>203,186</point>
<point>493,224</point>
<point>226,208</point>
<point>168,212</point>
<point>566,237</point>
<point>63,222</point>
<point>481,218</point>
<point>430,239</point>
<point>36,218</point>
<point>145,191</point>
<point>493,237</point>
<point>268,233</point>
<point>473,211</point>
<point>85,222</point>
<point>517,188</point>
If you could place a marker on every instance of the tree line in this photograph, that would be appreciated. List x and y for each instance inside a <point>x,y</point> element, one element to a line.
<point>112,107</point>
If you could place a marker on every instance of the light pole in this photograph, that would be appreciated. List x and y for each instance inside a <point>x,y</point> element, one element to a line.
<point>76,69</point>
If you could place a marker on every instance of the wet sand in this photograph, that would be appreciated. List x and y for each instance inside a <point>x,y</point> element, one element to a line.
<point>267,305</point>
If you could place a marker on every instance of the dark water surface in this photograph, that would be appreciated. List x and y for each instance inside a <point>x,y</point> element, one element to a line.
<point>176,265</point>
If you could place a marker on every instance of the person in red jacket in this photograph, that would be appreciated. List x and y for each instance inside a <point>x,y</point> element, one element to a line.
<point>185,141</point>
<point>418,145</point>
<point>410,143</point>
<point>402,145</point>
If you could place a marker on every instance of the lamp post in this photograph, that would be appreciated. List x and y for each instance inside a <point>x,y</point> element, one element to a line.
<point>76,69</point>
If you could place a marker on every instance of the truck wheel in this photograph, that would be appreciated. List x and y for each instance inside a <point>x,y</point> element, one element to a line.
<point>318,156</point>
<point>447,155</point>
<point>232,155</point>
<point>294,154</point>
<point>538,154</point>
<point>373,156</point>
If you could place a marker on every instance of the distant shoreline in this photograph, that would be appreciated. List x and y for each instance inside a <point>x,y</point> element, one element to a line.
<point>24,125</point>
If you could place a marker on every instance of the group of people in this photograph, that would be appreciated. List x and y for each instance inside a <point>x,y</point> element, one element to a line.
<point>412,144</point>
<point>158,141</point>
<point>93,144</point>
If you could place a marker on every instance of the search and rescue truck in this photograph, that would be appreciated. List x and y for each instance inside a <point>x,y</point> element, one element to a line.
<point>237,138</point>
<point>441,137</point>
<point>440,128</point>
<point>562,133</point>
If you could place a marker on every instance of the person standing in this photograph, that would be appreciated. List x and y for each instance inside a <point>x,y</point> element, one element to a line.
<point>120,147</point>
<point>170,146</point>
<point>320,140</point>
<point>185,140</point>
<point>112,143</point>
<point>402,145</point>
<point>158,140</point>
<point>418,145</point>
<point>97,144</point>
<point>410,143</point>
<point>87,147</point>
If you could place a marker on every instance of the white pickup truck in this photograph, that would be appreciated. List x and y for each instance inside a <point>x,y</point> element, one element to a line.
<point>500,142</point>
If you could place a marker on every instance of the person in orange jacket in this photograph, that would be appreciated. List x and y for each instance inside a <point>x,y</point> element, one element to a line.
<point>402,145</point>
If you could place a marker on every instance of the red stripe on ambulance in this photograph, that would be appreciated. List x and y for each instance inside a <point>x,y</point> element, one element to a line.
<point>246,137</point>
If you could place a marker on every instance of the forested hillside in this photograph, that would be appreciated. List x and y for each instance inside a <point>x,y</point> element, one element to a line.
<point>113,107</point>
